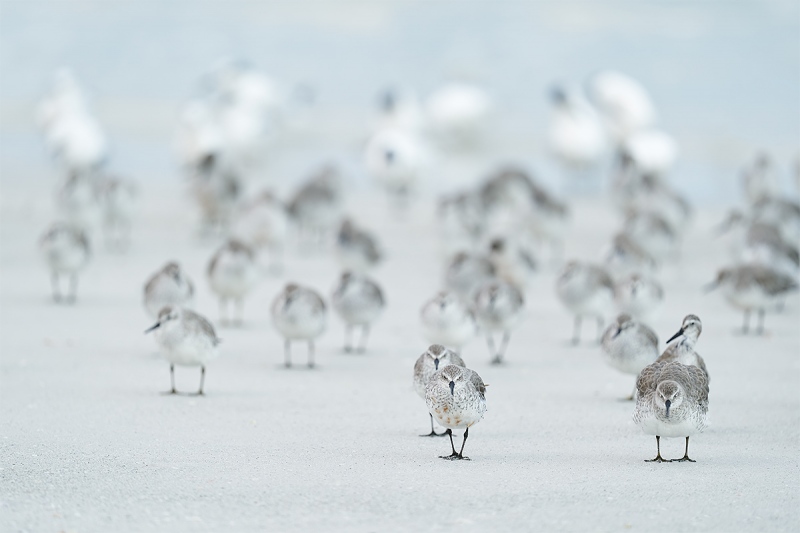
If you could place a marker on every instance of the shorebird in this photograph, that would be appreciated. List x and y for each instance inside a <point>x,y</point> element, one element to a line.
<point>359,301</point>
<point>435,357</point>
<point>753,287</point>
<point>629,346</point>
<point>232,274</point>
<point>466,273</point>
<point>355,249</point>
<point>639,296</point>
<point>499,307</point>
<point>299,313</point>
<point>185,338</point>
<point>447,320</point>
<point>682,350</point>
<point>456,397</point>
<point>585,290</point>
<point>66,251</point>
<point>672,401</point>
<point>168,286</point>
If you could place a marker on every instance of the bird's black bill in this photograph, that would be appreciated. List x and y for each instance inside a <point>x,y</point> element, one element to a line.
<point>680,332</point>
<point>668,403</point>
<point>452,386</point>
<point>436,363</point>
<point>151,328</point>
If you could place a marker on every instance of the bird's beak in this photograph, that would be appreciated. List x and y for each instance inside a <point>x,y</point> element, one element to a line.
<point>436,363</point>
<point>711,286</point>
<point>680,332</point>
<point>668,403</point>
<point>154,326</point>
<point>452,386</point>
<point>619,330</point>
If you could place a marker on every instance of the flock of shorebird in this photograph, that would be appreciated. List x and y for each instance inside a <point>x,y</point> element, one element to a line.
<point>495,236</point>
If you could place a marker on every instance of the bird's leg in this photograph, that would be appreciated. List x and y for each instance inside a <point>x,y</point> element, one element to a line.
<point>490,344</point>
<point>503,346</point>
<point>760,330</point>
<point>453,455</point>
<point>685,455</point>
<point>576,332</point>
<point>364,336</point>
<point>658,458</point>
<point>433,431</point>
<point>287,353</point>
<point>463,442</point>
<point>348,334</point>
<point>310,354</point>
<point>73,288</point>
<point>223,310</point>
<point>202,379</point>
<point>599,329</point>
<point>239,320</point>
<point>172,380</point>
<point>56,287</point>
<point>746,323</point>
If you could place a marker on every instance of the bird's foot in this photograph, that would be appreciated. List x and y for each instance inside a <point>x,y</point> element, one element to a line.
<point>497,360</point>
<point>173,391</point>
<point>683,459</point>
<point>455,457</point>
<point>658,459</point>
<point>348,349</point>
<point>628,399</point>
<point>198,393</point>
<point>311,365</point>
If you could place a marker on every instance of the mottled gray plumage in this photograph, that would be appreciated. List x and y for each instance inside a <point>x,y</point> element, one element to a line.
<point>672,401</point>
<point>466,272</point>
<point>682,349</point>
<point>357,249</point>
<point>456,397</point>
<point>168,286</point>
<point>629,345</point>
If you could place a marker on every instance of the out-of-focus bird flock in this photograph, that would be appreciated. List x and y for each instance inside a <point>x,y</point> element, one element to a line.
<point>495,234</point>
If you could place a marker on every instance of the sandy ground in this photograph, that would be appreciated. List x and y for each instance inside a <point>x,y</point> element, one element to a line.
<point>89,444</point>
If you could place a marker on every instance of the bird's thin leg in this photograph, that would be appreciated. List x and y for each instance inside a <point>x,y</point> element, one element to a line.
<point>760,330</point>
<point>599,329</point>
<point>364,336</point>
<point>310,354</point>
<point>433,431</point>
<point>73,288</point>
<point>453,455</point>
<point>348,338</point>
<point>503,346</point>
<point>490,344</point>
<point>685,455</point>
<point>172,380</point>
<point>658,458</point>
<point>202,379</point>
<point>463,442</point>
<point>239,320</point>
<point>746,323</point>
<point>287,353</point>
<point>223,310</point>
<point>56,287</point>
<point>576,332</point>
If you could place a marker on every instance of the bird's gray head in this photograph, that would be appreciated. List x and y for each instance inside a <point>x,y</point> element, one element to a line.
<point>452,376</point>
<point>168,315</point>
<point>669,395</point>
<point>173,269</point>
<point>691,327</point>
<point>439,355</point>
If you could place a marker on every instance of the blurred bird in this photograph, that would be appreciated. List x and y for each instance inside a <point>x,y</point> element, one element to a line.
<point>118,200</point>
<point>585,290</point>
<point>358,301</point>
<point>623,103</point>
<point>465,273</point>
<point>499,307</point>
<point>356,249</point>
<point>232,274</point>
<point>576,136</point>
<point>458,113</point>
<point>397,159</point>
<point>625,257</point>
<point>262,223</point>
<point>66,251</point>
<point>78,203</point>
<point>759,181</point>
<point>299,313</point>
<point>753,287</point>
<point>447,320</point>
<point>316,205</point>
<point>512,262</point>
<point>653,151</point>
<point>170,286</point>
<point>185,338</point>
<point>639,296</point>
<point>629,346</point>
